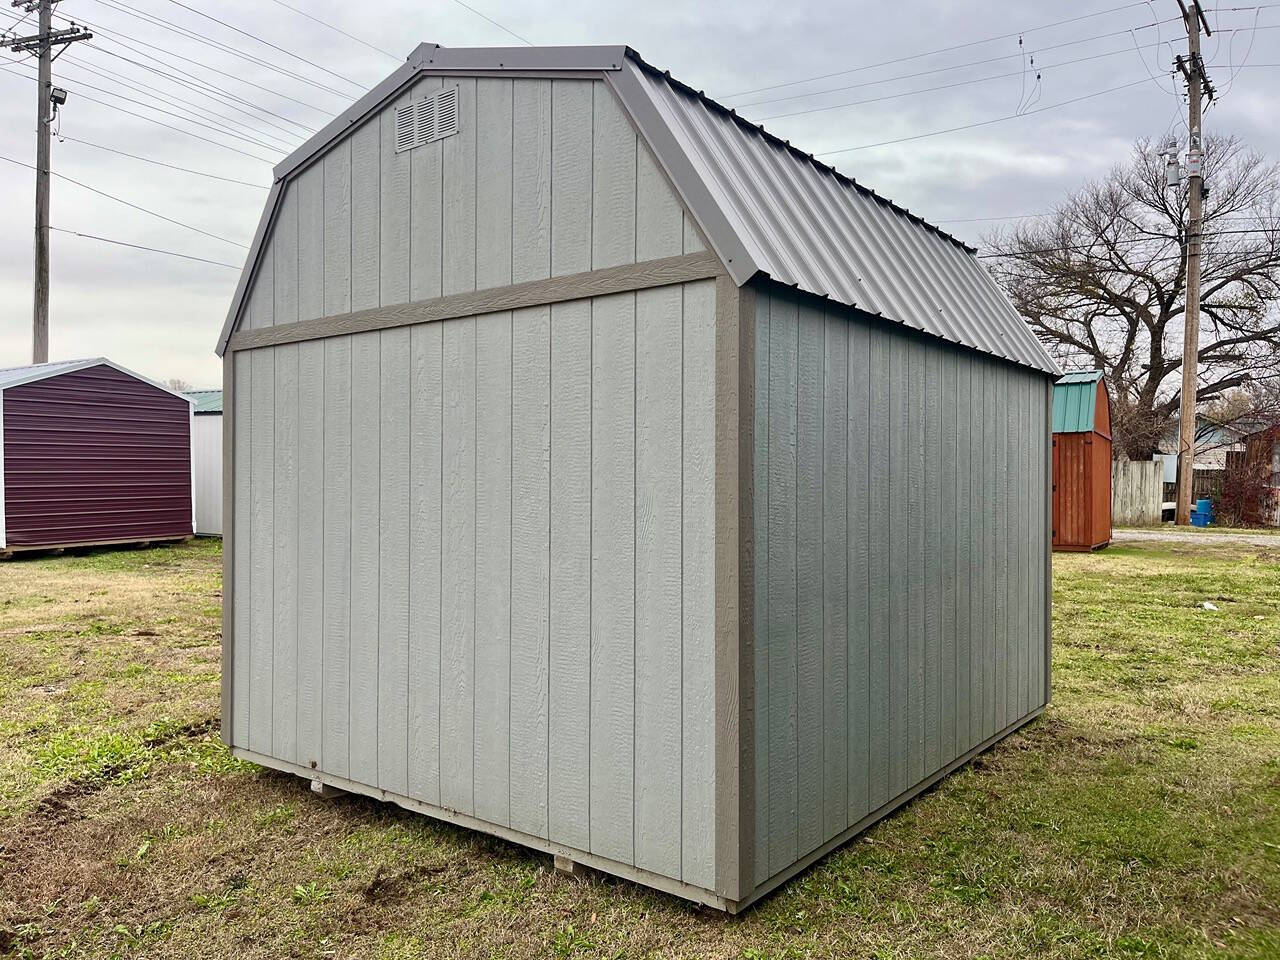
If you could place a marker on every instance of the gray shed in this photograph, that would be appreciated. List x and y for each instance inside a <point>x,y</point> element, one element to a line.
<point>605,474</point>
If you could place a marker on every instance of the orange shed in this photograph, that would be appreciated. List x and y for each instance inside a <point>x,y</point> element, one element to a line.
<point>1081,462</point>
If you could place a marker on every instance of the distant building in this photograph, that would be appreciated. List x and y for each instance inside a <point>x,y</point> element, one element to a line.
<point>206,459</point>
<point>91,453</point>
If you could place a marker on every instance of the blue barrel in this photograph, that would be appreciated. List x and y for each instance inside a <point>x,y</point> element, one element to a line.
<point>1203,506</point>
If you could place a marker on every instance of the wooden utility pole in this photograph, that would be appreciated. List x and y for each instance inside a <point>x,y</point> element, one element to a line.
<point>1197,84</point>
<point>42,44</point>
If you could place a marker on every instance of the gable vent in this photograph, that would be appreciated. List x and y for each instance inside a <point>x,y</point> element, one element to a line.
<point>427,120</point>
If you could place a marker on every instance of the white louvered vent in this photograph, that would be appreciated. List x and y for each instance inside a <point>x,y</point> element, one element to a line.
<point>427,120</point>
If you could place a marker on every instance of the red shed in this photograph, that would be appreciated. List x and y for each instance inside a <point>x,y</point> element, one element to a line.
<point>1081,462</point>
<point>91,453</point>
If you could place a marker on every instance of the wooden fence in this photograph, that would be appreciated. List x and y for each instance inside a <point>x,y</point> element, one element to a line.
<point>1137,491</point>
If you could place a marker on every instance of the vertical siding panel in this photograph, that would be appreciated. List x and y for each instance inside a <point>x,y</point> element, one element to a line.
<point>310,551</point>
<point>858,639</point>
<point>1026,566</point>
<point>571,164</point>
<point>837,669</point>
<point>613,182</point>
<point>569,739</point>
<point>458,273</point>
<point>692,239</point>
<point>426,437</point>
<point>948,520</point>
<point>261,623</point>
<point>530,564</point>
<point>284,246</point>
<point>875,526</point>
<point>659,415</point>
<point>659,217</point>
<point>809,579</point>
<point>698,537</point>
<point>932,556</point>
<point>458,567</point>
<point>493,182</point>
<point>917,450</point>
<point>899,554</point>
<point>426,209</point>
<point>991,559</point>
<point>365,188</point>
<point>761,537</point>
<point>393,563</point>
<point>337,229</point>
<point>366,362</point>
<point>284,580</point>
<point>493,569</point>
<point>613,373</point>
<point>978,619</point>
<point>531,181</point>
<point>1002,420</point>
<point>964,554</point>
<point>310,189</point>
<point>337,553</point>
<point>394,206</point>
<point>262,300</point>
<point>781,580</point>
<point>243,538</point>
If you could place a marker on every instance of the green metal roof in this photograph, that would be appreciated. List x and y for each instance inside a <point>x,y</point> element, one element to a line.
<point>1074,397</point>
<point>207,401</point>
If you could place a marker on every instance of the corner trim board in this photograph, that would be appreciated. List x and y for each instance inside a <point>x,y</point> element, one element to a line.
<point>228,541</point>
<point>535,293</point>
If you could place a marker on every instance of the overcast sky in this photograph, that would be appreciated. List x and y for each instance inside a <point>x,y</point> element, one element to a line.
<point>161,315</point>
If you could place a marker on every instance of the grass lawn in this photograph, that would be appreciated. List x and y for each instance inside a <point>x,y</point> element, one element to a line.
<point>1139,817</point>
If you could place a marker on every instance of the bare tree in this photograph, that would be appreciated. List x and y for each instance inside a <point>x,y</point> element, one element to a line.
<point>1101,280</point>
<point>179,385</point>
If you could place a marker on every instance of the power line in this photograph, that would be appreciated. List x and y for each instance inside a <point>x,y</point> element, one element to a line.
<point>984,123</point>
<point>483,16</point>
<point>325,23</point>
<point>929,53</point>
<point>109,196</point>
<point>226,132</point>
<point>1085,248</point>
<point>268,43</point>
<point>114,37</point>
<point>138,246</point>
<point>226,48</point>
<point>161,163</point>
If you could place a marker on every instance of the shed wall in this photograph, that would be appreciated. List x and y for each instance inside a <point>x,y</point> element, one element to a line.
<point>95,456</point>
<point>900,496</point>
<point>206,461</point>
<point>473,566</point>
<point>545,178</point>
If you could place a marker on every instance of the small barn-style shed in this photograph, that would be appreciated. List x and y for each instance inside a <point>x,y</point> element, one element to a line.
<point>606,474</point>
<point>91,453</point>
<point>1081,462</point>
<point>206,459</point>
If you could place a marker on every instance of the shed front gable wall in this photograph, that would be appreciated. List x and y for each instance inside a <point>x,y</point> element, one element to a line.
<point>546,177</point>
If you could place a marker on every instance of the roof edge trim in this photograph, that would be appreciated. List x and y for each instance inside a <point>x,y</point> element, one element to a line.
<point>56,369</point>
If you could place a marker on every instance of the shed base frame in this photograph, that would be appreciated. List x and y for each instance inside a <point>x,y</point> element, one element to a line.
<point>1080,547</point>
<point>13,548</point>
<point>560,853</point>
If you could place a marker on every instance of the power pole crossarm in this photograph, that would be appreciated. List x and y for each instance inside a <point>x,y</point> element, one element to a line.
<point>1197,86</point>
<point>41,44</point>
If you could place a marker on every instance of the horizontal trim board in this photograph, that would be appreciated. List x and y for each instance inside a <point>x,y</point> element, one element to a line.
<point>875,816</point>
<point>535,293</point>
<point>596,862</point>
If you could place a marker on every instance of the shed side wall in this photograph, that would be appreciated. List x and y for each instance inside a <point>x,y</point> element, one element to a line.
<point>900,502</point>
<point>546,177</point>
<point>95,456</point>
<point>475,561</point>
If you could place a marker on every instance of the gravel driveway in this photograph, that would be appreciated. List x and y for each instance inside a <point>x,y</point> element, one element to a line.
<point>1174,535</point>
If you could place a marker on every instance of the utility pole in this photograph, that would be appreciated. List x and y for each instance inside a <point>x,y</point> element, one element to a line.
<point>1197,84</point>
<point>48,99</point>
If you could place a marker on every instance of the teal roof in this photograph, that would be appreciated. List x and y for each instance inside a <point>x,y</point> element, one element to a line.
<point>1075,396</point>
<point>207,401</point>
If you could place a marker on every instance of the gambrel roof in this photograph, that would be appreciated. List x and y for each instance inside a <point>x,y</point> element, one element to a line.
<point>766,208</point>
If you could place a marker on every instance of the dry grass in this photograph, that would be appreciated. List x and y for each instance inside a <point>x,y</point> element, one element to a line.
<point>1139,818</point>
